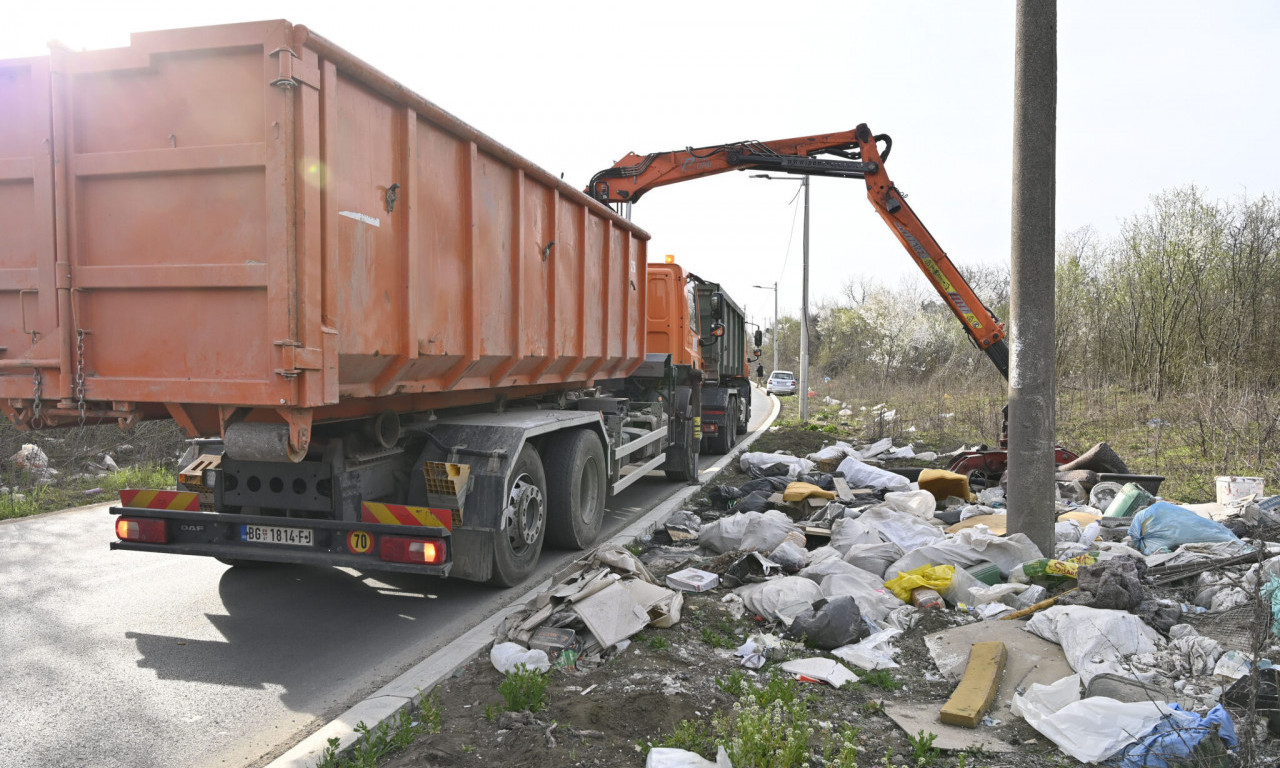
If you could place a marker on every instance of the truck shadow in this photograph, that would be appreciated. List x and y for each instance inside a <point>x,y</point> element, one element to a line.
<point>322,635</point>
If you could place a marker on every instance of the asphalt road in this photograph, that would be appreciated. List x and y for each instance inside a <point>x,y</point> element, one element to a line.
<point>135,660</point>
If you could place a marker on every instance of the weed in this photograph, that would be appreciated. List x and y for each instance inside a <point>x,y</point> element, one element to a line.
<point>690,735</point>
<point>524,689</point>
<point>842,750</point>
<point>882,679</point>
<point>386,738</point>
<point>922,749</point>
<point>657,643</point>
<point>714,638</point>
<point>735,684</point>
<point>767,734</point>
<point>491,712</point>
<point>872,708</point>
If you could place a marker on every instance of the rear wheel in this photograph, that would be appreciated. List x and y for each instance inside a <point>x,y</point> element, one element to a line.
<point>518,542</point>
<point>728,434</point>
<point>576,489</point>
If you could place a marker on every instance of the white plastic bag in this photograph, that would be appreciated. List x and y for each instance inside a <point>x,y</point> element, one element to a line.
<point>1090,730</point>
<point>874,601</point>
<point>670,757</point>
<point>862,475</point>
<point>847,533</point>
<point>872,652</point>
<point>874,558</point>
<point>921,504</point>
<point>506,656</point>
<point>1094,639</point>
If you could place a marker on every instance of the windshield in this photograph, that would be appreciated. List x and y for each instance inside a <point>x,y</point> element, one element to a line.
<point>782,375</point>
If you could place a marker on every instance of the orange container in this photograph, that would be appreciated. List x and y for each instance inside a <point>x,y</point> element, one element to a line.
<point>247,222</point>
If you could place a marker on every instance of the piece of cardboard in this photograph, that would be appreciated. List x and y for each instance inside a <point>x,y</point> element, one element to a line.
<point>612,614</point>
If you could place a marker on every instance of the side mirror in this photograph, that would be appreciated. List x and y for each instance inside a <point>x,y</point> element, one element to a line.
<point>717,305</point>
<point>759,339</point>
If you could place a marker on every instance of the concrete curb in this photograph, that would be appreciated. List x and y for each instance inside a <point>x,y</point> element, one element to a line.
<point>409,688</point>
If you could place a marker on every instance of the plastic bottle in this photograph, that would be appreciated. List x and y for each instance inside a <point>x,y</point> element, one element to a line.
<point>925,598</point>
<point>1129,500</point>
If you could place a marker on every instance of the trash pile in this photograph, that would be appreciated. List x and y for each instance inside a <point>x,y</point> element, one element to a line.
<point>1136,640</point>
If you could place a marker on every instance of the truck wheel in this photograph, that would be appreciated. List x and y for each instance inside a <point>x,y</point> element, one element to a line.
<point>576,489</point>
<point>518,542</point>
<point>728,434</point>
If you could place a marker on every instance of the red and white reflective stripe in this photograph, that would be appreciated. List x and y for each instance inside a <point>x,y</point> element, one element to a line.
<point>179,501</point>
<point>399,514</point>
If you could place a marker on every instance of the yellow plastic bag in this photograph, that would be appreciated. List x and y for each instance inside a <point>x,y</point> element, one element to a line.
<point>936,577</point>
<point>800,491</point>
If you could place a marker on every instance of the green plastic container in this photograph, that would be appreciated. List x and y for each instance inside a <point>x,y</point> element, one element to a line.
<point>987,573</point>
<point>1131,499</point>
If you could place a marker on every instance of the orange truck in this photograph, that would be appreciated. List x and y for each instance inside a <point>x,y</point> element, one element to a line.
<point>396,343</point>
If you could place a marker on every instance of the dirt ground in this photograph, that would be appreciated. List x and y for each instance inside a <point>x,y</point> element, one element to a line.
<point>605,716</point>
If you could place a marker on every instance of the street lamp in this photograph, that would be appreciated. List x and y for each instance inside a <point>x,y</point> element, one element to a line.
<point>804,300</point>
<point>773,288</point>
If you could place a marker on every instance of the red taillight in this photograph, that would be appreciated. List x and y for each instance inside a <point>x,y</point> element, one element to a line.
<point>146,531</point>
<point>398,549</point>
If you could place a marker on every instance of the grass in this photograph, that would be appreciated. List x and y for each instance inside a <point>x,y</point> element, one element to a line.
<point>882,679</point>
<point>923,752</point>
<point>385,739</point>
<point>36,498</point>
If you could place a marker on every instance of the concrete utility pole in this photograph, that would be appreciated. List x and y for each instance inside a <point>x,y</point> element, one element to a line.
<point>804,315</point>
<point>1031,369</point>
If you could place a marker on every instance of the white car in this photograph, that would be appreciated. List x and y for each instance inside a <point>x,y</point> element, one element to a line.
<point>782,383</point>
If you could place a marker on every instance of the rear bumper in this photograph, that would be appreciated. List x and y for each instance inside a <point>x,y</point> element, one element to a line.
<point>217,534</point>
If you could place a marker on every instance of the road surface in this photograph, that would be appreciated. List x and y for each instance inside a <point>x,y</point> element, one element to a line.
<point>136,660</point>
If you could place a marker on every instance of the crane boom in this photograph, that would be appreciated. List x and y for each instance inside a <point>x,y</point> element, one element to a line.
<point>856,154</point>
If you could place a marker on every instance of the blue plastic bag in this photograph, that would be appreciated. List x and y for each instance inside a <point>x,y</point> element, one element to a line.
<point>1176,736</point>
<point>1167,526</point>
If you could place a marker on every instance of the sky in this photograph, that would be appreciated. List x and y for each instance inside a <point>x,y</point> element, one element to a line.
<point>1152,95</point>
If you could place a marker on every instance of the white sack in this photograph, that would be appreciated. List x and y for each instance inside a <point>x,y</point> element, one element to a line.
<point>780,599</point>
<point>748,531</point>
<point>1094,639</point>
<point>876,448</point>
<point>832,453</point>
<point>1090,730</point>
<point>850,532</point>
<point>907,531</point>
<point>862,475</point>
<point>874,558</point>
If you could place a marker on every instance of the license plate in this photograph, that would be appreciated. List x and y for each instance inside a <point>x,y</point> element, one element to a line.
<point>271,534</point>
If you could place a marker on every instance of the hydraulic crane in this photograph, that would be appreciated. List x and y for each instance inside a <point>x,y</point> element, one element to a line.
<point>852,154</point>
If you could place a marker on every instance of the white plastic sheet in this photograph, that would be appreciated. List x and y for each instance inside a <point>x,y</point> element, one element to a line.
<point>1094,639</point>
<point>872,652</point>
<point>1090,730</point>
<point>506,656</point>
<point>828,671</point>
<point>903,529</point>
<point>969,547</point>
<point>670,757</point>
<point>862,475</point>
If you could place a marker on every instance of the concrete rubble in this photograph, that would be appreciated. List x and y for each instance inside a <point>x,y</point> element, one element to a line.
<point>1130,629</point>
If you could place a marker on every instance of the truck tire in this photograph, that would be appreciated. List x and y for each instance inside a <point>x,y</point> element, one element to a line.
<point>577,483</point>
<point>724,440</point>
<point>518,542</point>
<point>682,452</point>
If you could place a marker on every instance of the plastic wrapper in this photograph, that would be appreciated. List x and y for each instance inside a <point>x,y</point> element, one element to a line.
<point>872,652</point>
<point>917,503</point>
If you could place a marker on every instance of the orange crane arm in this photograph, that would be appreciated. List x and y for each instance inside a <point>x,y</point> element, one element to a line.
<point>858,156</point>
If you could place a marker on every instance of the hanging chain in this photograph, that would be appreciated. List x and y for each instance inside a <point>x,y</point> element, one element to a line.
<point>35,408</point>
<point>80,375</point>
